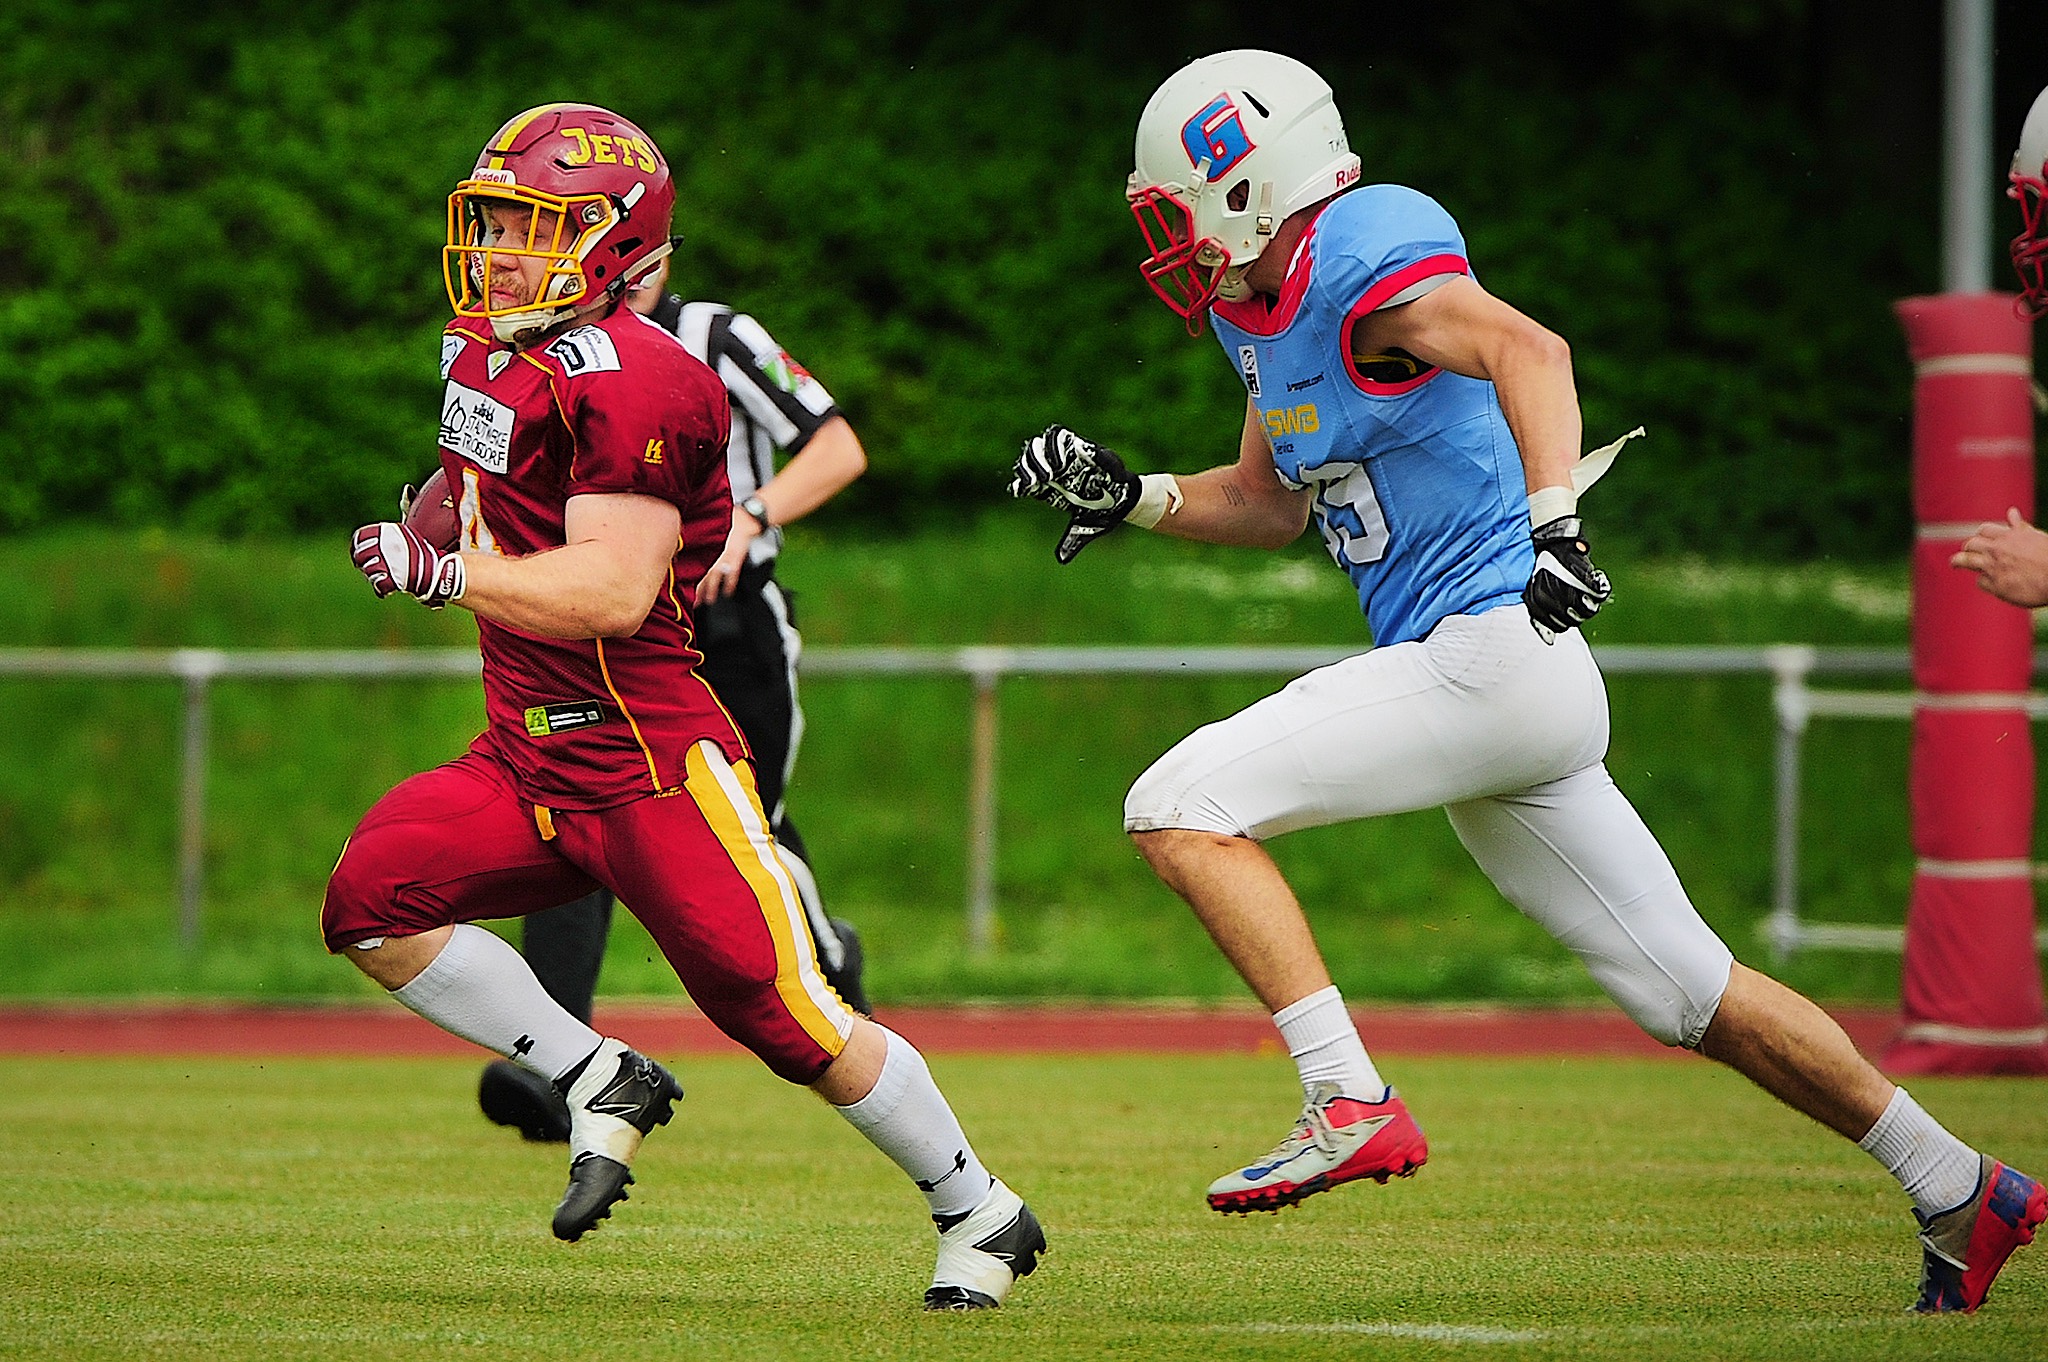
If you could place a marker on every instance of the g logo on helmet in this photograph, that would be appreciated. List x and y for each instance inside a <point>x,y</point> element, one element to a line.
<point>1217,135</point>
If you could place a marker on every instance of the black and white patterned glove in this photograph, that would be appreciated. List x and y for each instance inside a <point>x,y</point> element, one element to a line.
<point>1086,480</point>
<point>1566,589</point>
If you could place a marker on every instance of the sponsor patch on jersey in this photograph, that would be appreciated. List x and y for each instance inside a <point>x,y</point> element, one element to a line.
<point>1298,420</point>
<point>1248,365</point>
<point>543,720</point>
<point>586,350</point>
<point>451,346</point>
<point>1302,385</point>
<point>476,427</point>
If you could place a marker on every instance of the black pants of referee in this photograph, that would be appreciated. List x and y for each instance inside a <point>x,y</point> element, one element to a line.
<point>749,642</point>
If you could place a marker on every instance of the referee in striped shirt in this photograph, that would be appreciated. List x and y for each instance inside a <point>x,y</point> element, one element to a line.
<point>750,644</point>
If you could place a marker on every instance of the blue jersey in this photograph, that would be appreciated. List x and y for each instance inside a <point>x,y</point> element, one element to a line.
<point>1419,490</point>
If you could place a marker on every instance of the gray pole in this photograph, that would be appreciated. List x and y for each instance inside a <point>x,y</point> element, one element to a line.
<point>1967,157</point>
<point>192,809</point>
<point>1790,665</point>
<point>981,824</point>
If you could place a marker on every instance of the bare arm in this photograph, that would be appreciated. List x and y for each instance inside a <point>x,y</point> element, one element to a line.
<point>1241,503</point>
<point>600,584</point>
<point>830,460</point>
<point>1461,327</point>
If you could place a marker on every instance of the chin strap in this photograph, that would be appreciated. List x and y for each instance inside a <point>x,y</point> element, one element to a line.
<point>530,335</point>
<point>1232,288</point>
<point>530,328</point>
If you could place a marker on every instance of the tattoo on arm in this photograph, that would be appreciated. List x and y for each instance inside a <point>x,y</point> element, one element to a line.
<point>1233,494</point>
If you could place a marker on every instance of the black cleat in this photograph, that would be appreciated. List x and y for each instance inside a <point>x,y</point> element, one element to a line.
<point>957,1299</point>
<point>513,1096</point>
<point>982,1256</point>
<point>596,1184</point>
<point>615,1098</point>
<point>846,980</point>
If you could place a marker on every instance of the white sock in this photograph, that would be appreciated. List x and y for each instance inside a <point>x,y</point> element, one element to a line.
<point>907,1118</point>
<point>1324,1043</point>
<point>1937,1170</point>
<point>484,991</point>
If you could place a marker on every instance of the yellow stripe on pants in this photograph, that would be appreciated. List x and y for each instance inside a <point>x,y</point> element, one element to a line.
<point>732,807</point>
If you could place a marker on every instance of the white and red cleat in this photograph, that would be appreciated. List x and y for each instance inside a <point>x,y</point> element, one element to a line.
<point>1338,1139</point>
<point>1964,1248</point>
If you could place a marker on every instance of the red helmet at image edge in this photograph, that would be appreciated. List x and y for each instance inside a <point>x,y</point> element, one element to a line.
<point>600,201</point>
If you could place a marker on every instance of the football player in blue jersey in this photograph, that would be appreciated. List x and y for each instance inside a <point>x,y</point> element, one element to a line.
<point>1431,433</point>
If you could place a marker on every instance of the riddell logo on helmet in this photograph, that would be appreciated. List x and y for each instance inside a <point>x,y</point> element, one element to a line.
<point>488,176</point>
<point>1216,135</point>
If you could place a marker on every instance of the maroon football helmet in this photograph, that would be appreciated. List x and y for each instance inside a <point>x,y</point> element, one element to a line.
<point>599,197</point>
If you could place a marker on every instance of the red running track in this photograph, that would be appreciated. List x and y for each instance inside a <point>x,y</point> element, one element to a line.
<point>675,1029</point>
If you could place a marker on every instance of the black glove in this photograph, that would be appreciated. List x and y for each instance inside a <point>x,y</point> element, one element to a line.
<point>1566,589</point>
<point>1080,477</point>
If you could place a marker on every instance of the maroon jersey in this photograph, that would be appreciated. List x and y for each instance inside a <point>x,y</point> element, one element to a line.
<point>613,406</point>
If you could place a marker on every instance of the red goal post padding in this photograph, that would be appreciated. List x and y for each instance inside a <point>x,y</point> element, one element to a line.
<point>1971,990</point>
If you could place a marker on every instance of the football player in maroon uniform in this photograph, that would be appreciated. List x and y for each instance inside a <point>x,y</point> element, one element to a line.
<point>746,628</point>
<point>585,449</point>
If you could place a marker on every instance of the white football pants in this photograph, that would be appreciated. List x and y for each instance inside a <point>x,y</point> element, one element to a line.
<point>1508,733</point>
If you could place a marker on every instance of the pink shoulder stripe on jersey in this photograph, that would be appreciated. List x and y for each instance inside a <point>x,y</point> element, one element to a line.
<point>1255,316</point>
<point>1427,268</point>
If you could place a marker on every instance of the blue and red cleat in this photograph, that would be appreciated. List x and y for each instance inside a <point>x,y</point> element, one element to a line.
<point>1338,1139</point>
<point>1964,1248</point>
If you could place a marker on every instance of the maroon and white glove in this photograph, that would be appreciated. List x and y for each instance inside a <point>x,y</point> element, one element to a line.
<point>397,558</point>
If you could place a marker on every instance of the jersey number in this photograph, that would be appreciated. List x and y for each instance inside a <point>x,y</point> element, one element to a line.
<point>1354,527</point>
<point>470,516</point>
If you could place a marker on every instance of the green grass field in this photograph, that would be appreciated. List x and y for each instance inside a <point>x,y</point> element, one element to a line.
<point>88,770</point>
<point>1572,1209</point>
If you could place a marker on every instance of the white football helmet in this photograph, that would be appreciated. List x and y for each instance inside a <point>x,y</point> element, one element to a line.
<point>2030,186</point>
<point>1227,148</point>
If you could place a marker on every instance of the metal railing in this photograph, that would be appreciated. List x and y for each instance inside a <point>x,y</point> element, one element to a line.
<point>1791,667</point>
<point>1795,704</point>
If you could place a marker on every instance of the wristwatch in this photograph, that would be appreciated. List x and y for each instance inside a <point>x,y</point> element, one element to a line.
<point>758,509</point>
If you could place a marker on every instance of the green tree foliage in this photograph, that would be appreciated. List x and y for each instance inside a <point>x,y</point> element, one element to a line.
<point>220,298</point>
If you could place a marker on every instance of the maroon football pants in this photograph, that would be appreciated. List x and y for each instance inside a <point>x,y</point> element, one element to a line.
<point>697,867</point>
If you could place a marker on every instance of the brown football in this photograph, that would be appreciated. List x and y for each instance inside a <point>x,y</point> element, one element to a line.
<point>432,513</point>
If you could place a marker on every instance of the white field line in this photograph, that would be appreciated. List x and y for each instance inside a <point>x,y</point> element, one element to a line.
<point>1434,1333</point>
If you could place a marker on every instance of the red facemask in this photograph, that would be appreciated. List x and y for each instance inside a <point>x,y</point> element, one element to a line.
<point>2030,247</point>
<point>1175,268</point>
